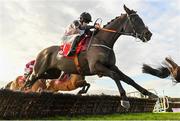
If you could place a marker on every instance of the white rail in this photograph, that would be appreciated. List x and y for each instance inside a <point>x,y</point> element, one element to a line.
<point>161,105</point>
<point>140,95</point>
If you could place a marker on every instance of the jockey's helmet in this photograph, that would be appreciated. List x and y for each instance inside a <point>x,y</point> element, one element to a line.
<point>85,17</point>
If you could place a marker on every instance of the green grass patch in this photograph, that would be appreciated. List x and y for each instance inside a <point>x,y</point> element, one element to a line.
<point>128,116</point>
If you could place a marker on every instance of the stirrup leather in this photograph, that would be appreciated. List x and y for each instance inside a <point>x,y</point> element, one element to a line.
<point>76,61</point>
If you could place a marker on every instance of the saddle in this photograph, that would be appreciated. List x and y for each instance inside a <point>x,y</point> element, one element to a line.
<point>82,46</point>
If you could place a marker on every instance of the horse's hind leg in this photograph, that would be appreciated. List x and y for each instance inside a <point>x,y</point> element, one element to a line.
<point>40,67</point>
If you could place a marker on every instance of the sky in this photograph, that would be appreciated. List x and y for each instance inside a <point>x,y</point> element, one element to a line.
<point>28,26</point>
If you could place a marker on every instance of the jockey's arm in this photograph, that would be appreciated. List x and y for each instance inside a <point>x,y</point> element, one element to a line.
<point>82,27</point>
<point>86,27</point>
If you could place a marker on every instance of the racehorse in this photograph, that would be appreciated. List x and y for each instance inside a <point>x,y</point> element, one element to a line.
<point>19,83</point>
<point>99,59</point>
<point>69,83</point>
<point>171,69</point>
<point>72,82</point>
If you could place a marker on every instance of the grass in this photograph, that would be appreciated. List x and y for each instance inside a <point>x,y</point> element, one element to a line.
<point>131,116</point>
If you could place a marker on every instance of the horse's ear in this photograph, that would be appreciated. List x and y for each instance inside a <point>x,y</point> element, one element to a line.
<point>128,11</point>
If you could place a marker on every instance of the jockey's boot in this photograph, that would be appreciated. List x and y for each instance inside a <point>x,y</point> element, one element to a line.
<point>73,47</point>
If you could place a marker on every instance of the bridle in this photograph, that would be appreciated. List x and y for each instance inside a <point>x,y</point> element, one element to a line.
<point>133,33</point>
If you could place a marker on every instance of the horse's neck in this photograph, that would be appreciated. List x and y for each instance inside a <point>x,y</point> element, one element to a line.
<point>178,74</point>
<point>109,38</point>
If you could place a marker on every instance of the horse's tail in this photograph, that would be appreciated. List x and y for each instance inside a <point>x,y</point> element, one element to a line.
<point>8,85</point>
<point>161,72</point>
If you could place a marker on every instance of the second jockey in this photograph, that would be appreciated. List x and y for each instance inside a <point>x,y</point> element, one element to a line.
<point>76,29</point>
<point>29,68</point>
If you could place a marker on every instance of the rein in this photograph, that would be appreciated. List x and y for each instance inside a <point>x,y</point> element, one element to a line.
<point>124,33</point>
<point>114,31</point>
<point>134,33</point>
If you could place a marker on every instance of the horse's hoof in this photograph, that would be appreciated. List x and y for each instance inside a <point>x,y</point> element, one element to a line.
<point>125,104</point>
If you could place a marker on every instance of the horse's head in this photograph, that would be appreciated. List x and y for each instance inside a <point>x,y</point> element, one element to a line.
<point>136,26</point>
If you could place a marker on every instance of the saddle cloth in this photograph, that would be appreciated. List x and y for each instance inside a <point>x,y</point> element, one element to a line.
<point>82,46</point>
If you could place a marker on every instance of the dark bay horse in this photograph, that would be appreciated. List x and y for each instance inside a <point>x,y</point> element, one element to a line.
<point>99,59</point>
<point>171,69</point>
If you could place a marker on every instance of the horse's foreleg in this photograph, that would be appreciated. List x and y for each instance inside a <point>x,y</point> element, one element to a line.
<point>131,82</point>
<point>84,84</point>
<point>30,81</point>
<point>84,89</point>
<point>124,102</point>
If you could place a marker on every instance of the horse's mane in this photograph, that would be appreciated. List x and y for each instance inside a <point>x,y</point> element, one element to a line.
<point>97,30</point>
<point>113,20</point>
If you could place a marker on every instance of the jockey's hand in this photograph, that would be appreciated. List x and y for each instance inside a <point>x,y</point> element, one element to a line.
<point>97,26</point>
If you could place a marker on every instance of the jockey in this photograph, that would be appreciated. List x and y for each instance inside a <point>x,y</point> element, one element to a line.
<point>29,68</point>
<point>76,29</point>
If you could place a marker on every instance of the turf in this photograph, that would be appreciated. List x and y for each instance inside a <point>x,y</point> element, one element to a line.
<point>132,116</point>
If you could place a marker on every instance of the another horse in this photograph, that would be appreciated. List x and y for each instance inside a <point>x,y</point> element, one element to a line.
<point>99,59</point>
<point>70,83</point>
<point>73,82</point>
<point>171,69</point>
<point>19,83</point>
